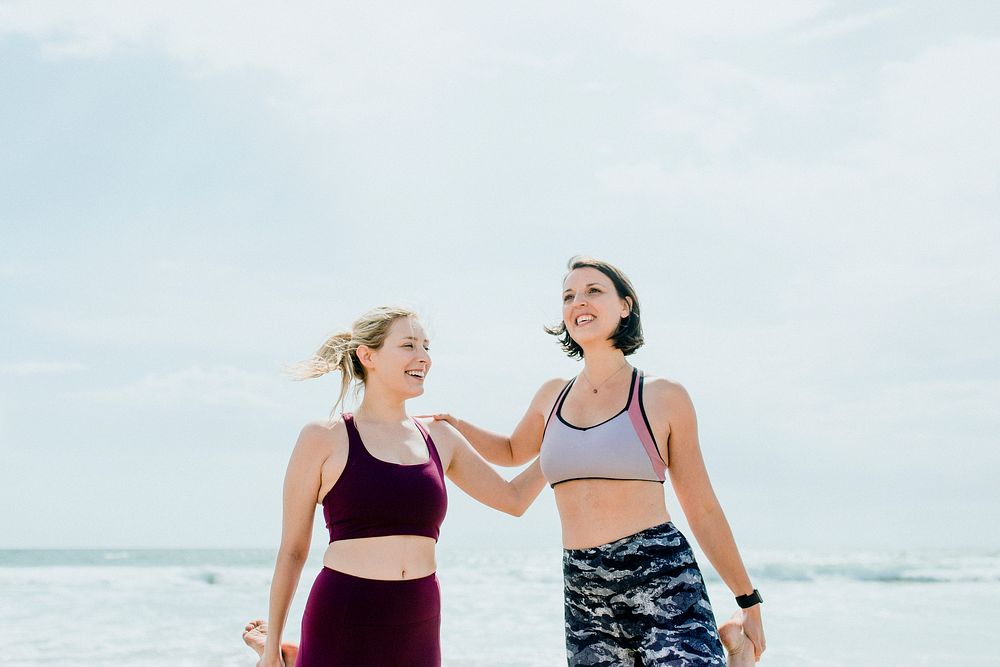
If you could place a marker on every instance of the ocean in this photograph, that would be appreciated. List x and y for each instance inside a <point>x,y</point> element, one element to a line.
<point>500,607</point>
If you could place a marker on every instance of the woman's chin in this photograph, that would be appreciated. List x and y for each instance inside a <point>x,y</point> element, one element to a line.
<point>413,392</point>
<point>590,338</point>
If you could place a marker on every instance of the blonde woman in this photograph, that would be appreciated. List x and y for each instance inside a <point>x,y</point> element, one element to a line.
<point>608,439</point>
<point>379,475</point>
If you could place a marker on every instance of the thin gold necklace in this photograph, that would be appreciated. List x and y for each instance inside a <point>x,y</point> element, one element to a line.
<point>601,383</point>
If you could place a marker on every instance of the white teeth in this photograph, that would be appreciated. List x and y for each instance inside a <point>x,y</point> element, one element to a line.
<point>583,319</point>
<point>416,374</point>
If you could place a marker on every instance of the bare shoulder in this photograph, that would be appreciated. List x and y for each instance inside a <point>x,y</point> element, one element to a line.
<point>666,394</point>
<point>547,393</point>
<point>437,426</point>
<point>441,431</point>
<point>446,438</point>
<point>321,437</point>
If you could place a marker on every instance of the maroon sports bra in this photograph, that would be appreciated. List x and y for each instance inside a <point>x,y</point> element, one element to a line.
<point>374,498</point>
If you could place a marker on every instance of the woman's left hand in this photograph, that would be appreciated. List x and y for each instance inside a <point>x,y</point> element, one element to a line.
<point>753,628</point>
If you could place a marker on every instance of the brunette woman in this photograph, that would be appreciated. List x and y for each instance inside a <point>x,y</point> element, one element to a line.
<point>608,438</point>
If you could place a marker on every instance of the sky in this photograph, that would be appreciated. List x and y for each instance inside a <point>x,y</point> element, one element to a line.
<point>194,195</point>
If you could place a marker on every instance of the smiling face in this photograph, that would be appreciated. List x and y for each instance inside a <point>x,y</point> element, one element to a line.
<point>592,309</point>
<point>402,362</point>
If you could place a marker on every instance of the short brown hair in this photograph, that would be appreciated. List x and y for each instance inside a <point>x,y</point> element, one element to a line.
<point>628,336</point>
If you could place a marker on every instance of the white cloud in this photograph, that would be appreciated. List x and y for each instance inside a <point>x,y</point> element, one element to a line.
<point>939,117</point>
<point>28,368</point>
<point>712,133</point>
<point>345,60</point>
<point>213,387</point>
<point>900,419</point>
<point>666,28</point>
<point>924,149</point>
<point>8,269</point>
<point>194,303</point>
<point>837,27</point>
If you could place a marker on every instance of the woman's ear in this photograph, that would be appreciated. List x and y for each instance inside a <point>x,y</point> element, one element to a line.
<point>366,356</point>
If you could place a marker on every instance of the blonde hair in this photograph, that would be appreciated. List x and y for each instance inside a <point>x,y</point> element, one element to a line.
<point>339,351</point>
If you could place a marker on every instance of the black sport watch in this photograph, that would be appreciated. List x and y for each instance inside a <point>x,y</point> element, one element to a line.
<point>747,601</point>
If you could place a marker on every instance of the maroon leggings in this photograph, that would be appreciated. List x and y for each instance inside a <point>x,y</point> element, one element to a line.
<point>353,621</point>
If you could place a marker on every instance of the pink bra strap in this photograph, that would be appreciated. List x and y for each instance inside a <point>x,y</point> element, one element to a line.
<point>642,429</point>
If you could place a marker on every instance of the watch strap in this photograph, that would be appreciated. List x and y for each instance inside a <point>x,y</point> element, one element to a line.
<point>747,601</point>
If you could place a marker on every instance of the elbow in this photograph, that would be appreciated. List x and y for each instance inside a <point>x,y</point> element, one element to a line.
<point>511,459</point>
<point>516,457</point>
<point>704,516</point>
<point>514,460</point>
<point>295,553</point>
<point>510,503</point>
<point>517,506</point>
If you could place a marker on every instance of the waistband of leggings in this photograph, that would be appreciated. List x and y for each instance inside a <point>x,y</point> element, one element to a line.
<point>382,583</point>
<point>658,530</point>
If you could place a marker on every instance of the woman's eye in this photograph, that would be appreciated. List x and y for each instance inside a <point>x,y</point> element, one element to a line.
<point>567,298</point>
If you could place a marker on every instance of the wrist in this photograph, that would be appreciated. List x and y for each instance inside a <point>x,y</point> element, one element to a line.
<point>750,600</point>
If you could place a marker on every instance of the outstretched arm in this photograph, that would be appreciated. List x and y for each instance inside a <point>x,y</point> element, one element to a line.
<point>302,483</point>
<point>480,481</point>
<point>701,507</point>
<point>520,446</point>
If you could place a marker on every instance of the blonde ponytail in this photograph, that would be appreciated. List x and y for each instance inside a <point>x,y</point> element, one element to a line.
<point>339,351</point>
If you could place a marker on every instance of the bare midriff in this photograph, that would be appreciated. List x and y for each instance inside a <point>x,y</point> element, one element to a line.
<point>597,511</point>
<point>391,558</point>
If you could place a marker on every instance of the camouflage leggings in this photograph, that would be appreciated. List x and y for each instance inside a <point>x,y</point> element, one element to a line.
<point>639,601</point>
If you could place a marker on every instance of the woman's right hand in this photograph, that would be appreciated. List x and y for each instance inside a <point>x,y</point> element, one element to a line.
<point>441,417</point>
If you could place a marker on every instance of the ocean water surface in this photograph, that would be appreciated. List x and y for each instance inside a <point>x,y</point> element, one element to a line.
<point>501,607</point>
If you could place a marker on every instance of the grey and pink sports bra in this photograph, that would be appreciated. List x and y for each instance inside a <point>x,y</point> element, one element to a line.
<point>621,447</point>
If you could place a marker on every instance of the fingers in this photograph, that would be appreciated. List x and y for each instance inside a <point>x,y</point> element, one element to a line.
<point>754,631</point>
<point>756,637</point>
<point>437,416</point>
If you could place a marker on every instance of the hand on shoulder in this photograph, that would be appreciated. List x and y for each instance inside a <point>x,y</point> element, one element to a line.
<point>441,431</point>
<point>447,439</point>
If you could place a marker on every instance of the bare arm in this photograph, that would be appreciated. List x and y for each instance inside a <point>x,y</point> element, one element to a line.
<point>691,483</point>
<point>480,481</point>
<point>301,488</point>
<point>520,446</point>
